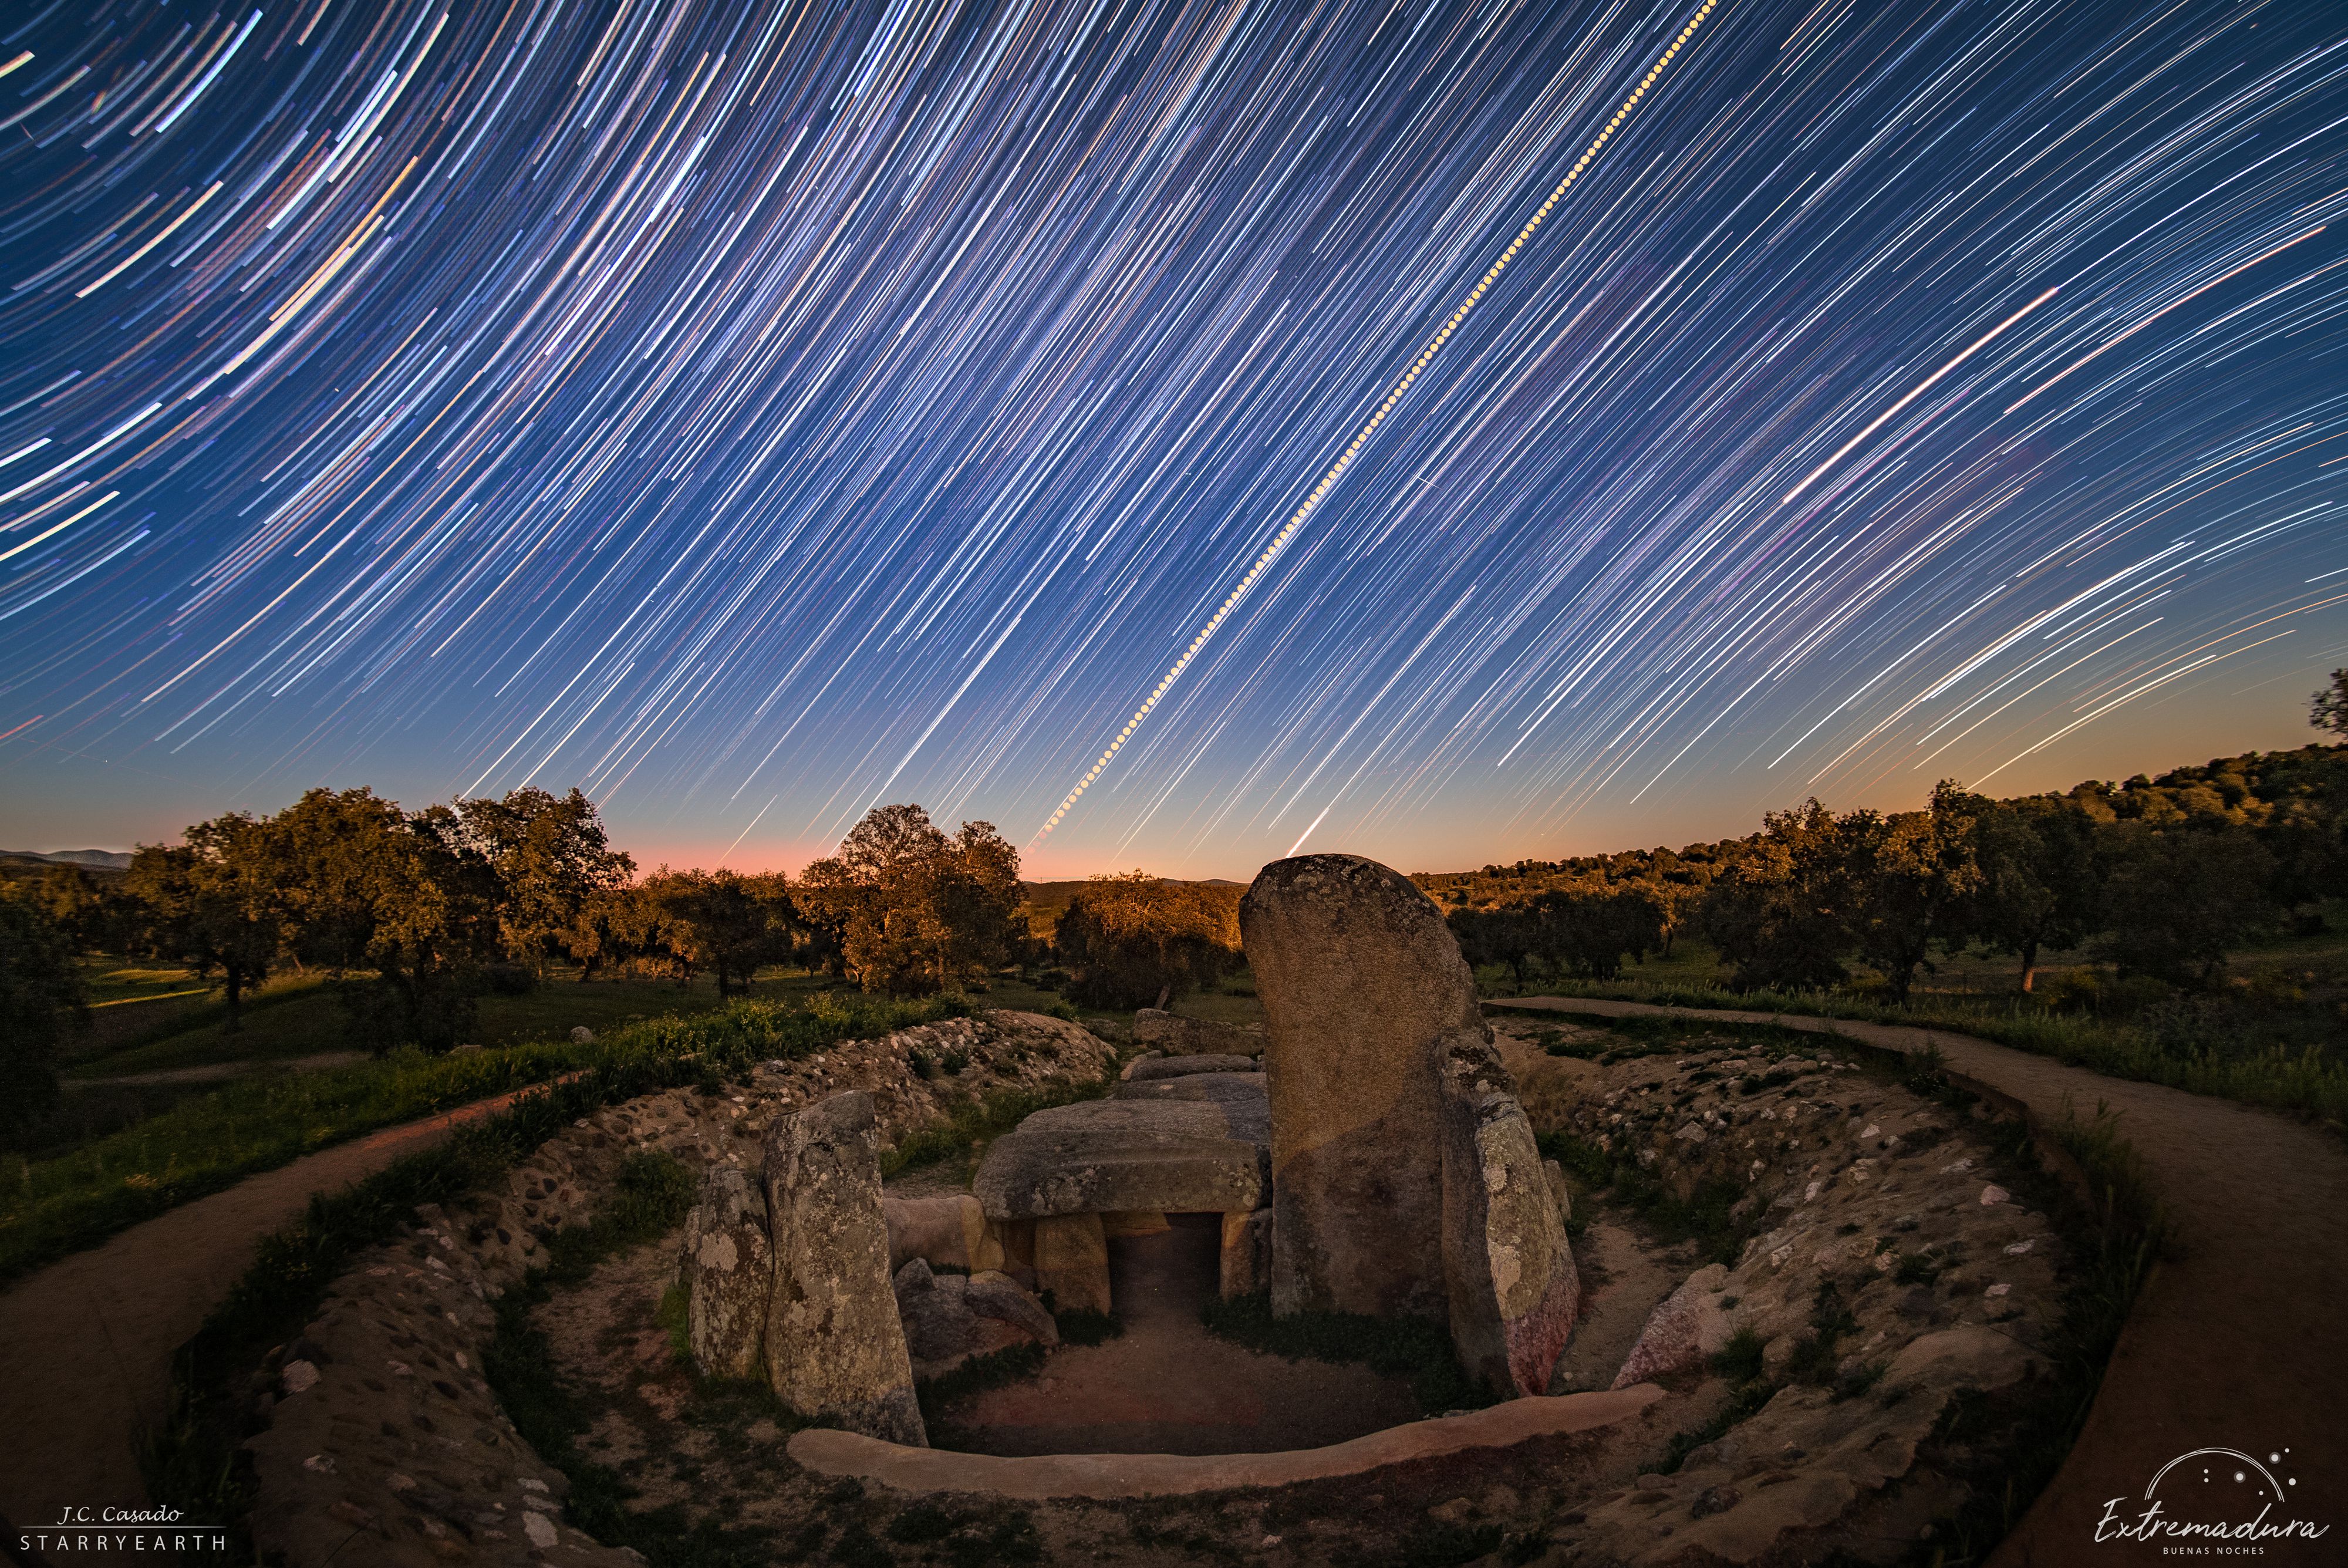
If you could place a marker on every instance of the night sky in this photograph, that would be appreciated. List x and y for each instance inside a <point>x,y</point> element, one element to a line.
<point>752,415</point>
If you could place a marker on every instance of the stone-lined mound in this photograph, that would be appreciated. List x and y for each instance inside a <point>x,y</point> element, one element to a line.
<point>383,1443</point>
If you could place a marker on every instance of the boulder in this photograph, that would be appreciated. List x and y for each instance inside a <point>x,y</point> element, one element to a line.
<point>949,1230</point>
<point>1179,1036</point>
<point>1364,992</point>
<point>1508,1275</point>
<point>948,1318</point>
<point>1173,1156</point>
<point>728,1273</point>
<point>1687,1327</point>
<point>1146,1068</point>
<point>835,1346</point>
<point>1072,1261</point>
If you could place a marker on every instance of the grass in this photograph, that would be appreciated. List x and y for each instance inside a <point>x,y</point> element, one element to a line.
<point>1085,1325</point>
<point>298,1017</point>
<point>1417,1349</point>
<point>650,1198</point>
<point>208,1142</point>
<point>974,1122</point>
<point>2312,1081</point>
<point>1704,1216</point>
<point>191,1462</point>
<point>2007,1450</point>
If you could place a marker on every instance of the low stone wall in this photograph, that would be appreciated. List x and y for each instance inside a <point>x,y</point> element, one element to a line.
<point>1113,1477</point>
<point>385,1444</point>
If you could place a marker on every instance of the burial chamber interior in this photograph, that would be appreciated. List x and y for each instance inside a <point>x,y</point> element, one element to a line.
<point>1167,1385</point>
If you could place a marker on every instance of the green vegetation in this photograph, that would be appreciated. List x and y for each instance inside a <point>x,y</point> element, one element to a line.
<point>1412,1347</point>
<point>192,1462</point>
<point>650,1198</point>
<point>1140,941</point>
<point>1706,1216</point>
<point>53,1206</point>
<point>2164,1048</point>
<point>1084,1324</point>
<point>972,1122</point>
<point>298,1017</point>
<point>975,1375</point>
<point>2194,918</point>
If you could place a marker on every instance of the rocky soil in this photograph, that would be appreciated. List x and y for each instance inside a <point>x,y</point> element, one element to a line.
<point>1871,1265</point>
<point>385,1444</point>
<point>1815,1261</point>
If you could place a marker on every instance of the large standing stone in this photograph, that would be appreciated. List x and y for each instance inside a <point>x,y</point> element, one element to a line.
<point>1508,1268</point>
<point>835,1348</point>
<point>1072,1261</point>
<point>728,1268</point>
<point>1364,991</point>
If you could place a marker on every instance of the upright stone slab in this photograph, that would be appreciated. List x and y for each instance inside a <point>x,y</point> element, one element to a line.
<point>1507,1267</point>
<point>728,1269</point>
<point>835,1348</point>
<point>1364,991</point>
<point>1072,1261</point>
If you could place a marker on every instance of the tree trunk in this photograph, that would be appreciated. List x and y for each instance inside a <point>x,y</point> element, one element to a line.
<point>235,978</point>
<point>2029,966</point>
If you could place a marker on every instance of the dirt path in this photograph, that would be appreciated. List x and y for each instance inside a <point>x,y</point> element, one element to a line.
<point>218,1072</point>
<point>2236,1339</point>
<point>86,1344</point>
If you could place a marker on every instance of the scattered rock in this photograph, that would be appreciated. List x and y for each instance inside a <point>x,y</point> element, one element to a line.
<point>1181,1036</point>
<point>1715,1499</point>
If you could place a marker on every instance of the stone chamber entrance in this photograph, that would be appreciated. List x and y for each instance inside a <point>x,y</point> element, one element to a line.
<point>1167,1386</point>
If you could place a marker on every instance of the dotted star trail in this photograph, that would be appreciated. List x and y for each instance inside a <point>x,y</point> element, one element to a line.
<point>751,414</point>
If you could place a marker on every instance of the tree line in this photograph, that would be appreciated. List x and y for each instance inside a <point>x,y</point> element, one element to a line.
<point>415,915</point>
<point>2158,877</point>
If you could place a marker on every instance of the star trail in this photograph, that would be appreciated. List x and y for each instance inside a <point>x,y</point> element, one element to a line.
<point>1188,431</point>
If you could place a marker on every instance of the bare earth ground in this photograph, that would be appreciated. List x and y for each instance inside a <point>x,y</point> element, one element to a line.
<point>1168,1387</point>
<point>217,1072</point>
<point>86,1344</point>
<point>2235,1340</point>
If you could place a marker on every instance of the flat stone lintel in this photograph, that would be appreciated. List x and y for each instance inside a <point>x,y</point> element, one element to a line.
<point>1119,1155</point>
<point>1113,1476</point>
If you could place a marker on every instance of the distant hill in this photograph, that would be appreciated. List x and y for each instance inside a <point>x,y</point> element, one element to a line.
<point>99,860</point>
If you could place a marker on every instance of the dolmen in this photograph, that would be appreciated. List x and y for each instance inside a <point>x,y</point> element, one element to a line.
<point>1175,1138</point>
